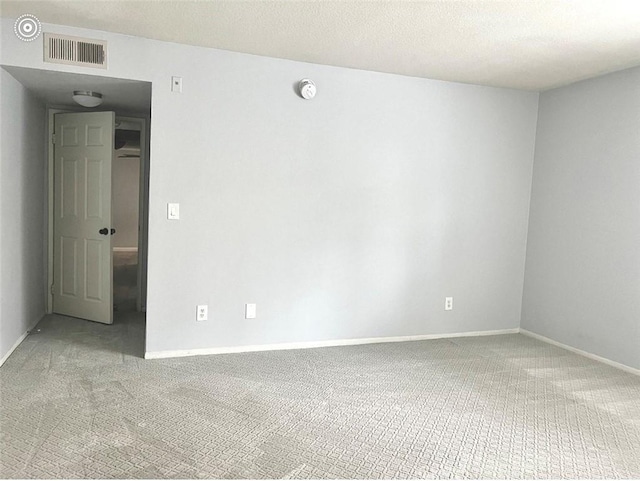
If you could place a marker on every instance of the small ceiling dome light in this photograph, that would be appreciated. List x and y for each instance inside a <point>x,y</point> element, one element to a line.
<point>307,89</point>
<point>86,98</point>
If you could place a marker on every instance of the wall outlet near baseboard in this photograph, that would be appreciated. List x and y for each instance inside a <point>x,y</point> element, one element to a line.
<point>448,303</point>
<point>202,313</point>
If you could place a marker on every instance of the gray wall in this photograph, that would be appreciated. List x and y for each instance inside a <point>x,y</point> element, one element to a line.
<point>125,202</point>
<point>22,211</point>
<point>582,284</point>
<point>349,216</point>
<point>352,215</point>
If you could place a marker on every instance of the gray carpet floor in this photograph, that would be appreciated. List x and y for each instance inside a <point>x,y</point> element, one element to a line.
<point>78,401</point>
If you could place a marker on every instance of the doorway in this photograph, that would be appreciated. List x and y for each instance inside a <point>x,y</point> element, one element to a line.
<point>131,101</point>
<point>127,216</point>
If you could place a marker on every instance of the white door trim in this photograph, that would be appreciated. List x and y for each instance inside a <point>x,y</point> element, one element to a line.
<point>50,182</point>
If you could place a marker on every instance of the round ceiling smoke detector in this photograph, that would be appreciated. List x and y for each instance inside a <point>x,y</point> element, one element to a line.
<point>86,98</point>
<point>307,89</point>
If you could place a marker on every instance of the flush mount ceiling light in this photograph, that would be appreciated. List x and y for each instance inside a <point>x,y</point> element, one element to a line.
<point>86,98</point>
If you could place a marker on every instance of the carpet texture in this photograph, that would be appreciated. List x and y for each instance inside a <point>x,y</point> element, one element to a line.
<point>77,401</point>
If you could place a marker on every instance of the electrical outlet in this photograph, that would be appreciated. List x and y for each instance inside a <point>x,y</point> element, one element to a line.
<point>250,311</point>
<point>448,303</point>
<point>202,313</point>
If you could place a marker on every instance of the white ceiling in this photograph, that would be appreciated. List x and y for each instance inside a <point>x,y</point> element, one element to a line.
<point>525,44</point>
<point>56,89</point>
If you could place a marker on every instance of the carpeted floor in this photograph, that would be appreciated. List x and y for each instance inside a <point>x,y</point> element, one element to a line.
<point>78,401</point>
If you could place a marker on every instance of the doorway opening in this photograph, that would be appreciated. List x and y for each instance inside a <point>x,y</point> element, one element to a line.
<point>126,214</point>
<point>130,104</point>
<point>124,225</point>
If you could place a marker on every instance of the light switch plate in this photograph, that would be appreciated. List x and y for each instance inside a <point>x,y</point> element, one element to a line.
<point>173,211</point>
<point>250,311</point>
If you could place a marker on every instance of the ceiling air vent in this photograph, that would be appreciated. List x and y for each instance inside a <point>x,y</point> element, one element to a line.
<point>85,52</point>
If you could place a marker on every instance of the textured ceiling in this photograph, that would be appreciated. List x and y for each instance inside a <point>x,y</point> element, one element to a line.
<point>534,45</point>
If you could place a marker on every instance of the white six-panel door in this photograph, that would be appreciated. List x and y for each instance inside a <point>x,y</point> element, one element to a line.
<point>82,265</point>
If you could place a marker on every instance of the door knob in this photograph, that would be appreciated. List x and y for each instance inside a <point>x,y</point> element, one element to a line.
<point>113,231</point>
<point>104,231</point>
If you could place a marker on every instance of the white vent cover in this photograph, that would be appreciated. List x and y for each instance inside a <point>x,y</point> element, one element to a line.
<point>85,52</point>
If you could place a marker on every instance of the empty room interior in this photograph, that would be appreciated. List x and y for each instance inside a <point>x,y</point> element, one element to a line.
<point>309,239</point>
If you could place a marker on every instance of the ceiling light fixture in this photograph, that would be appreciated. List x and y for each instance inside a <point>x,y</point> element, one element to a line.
<point>86,98</point>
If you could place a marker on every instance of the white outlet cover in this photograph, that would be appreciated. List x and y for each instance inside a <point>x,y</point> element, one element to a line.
<point>448,303</point>
<point>202,312</point>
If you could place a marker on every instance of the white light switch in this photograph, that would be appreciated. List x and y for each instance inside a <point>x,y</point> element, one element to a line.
<point>250,311</point>
<point>173,211</point>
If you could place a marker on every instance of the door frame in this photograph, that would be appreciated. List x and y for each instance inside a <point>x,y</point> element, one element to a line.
<point>143,211</point>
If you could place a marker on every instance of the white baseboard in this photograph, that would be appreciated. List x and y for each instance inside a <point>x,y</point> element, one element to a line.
<point>124,249</point>
<point>315,344</point>
<point>595,357</point>
<point>19,341</point>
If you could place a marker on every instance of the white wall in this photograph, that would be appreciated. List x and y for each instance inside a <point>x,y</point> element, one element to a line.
<point>582,284</point>
<point>125,203</point>
<point>352,215</point>
<point>22,211</point>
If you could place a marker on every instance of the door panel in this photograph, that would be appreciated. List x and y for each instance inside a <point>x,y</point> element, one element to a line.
<point>69,260</point>
<point>94,190</point>
<point>94,287</point>
<point>69,190</point>
<point>82,207</point>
